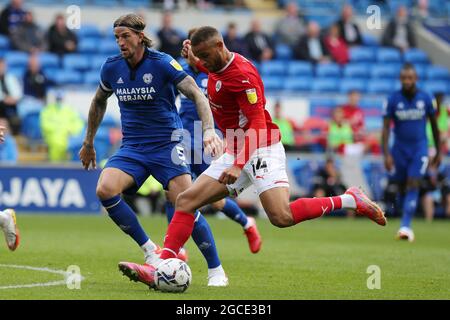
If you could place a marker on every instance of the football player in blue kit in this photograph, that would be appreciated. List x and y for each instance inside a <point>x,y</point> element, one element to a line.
<point>194,151</point>
<point>146,82</point>
<point>407,160</point>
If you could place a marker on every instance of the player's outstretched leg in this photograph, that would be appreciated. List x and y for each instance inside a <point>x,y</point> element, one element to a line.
<point>111,183</point>
<point>232,211</point>
<point>283,214</point>
<point>8,224</point>
<point>170,210</point>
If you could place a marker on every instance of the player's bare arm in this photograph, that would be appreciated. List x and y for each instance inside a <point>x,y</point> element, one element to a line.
<point>213,144</point>
<point>437,141</point>
<point>96,113</point>
<point>2,133</point>
<point>388,160</point>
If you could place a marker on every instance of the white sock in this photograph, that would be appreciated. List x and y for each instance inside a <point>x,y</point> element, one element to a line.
<point>2,219</point>
<point>216,271</point>
<point>348,202</point>
<point>148,247</point>
<point>248,224</point>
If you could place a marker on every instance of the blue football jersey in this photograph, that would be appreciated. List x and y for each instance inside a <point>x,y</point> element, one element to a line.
<point>409,116</point>
<point>146,95</point>
<point>188,110</point>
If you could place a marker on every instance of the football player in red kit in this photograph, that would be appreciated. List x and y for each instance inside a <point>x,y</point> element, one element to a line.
<point>254,154</point>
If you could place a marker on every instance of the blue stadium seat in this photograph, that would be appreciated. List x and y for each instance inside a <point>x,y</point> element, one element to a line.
<point>63,77</point>
<point>362,54</point>
<point>4,43</point>
<point>76,61</point>
<point>369,40</point>
<point>416,56</point>
<point>347,85</point>
<point>300,68</point>
<point>89,31</point>
<point>437,72</point>
<point>325,85</point>
<point>380,86</point>
<point>385,71</point>
<point>273,68</point>
<point>76,2</point>
<point>88,45</point>
<point>97,61</point>
<point>108,46</point>
<point>436,86</point>
<point>356,70</point>
<point>297,83</point>
<point>16,59</point>
<point>388,55</point>
<point>328,70</point>
<point>137,3</point>
<point>106,3</point>
<point>91,77</point>
<point>48,60</point>
<point>273,82</point>
<point>18,72</point>
<point>31,126</point>
<point>421,70</point>
<point>283,52</point>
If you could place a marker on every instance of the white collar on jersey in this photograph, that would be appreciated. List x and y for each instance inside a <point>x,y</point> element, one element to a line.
<point>227,65</point>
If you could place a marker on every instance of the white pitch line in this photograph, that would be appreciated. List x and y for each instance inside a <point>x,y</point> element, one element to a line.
<point>40,284</point>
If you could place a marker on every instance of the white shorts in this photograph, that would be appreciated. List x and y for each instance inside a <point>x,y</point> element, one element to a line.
<point>266,170</point>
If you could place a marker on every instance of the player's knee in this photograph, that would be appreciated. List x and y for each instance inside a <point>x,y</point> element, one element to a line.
<point>105,191</point>
<point>218,205</point>
<point>281,219</point>
<point>184,202</point>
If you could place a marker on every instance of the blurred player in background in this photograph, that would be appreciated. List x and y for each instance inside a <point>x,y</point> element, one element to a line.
<point>195,151</point>
<point>254,154</point>
<point>8,217</point>
<point>145,82</point>
<point>407,161</point>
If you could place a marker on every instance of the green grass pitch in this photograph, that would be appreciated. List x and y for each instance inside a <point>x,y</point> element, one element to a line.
<point>322,259</point>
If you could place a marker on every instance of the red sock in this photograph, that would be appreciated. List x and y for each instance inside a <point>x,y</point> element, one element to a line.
<point>310,208</point>
<point>179,231</point>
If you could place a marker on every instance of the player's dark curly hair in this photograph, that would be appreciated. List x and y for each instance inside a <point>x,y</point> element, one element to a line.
<point>204,34</point>
<point>135,23</point>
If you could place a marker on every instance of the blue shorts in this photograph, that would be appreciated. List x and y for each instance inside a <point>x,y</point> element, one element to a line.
<point>411,161</point>
<point>141,161</point>
<point>197,160</point>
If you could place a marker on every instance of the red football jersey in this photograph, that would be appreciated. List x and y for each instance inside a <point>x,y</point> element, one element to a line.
<point>236,97</point>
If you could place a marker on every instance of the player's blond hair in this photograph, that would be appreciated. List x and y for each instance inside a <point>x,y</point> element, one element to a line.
<point>135,23</point>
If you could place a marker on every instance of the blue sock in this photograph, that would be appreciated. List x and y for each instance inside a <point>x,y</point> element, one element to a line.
<point>204,240</point>
<point>409,206</point>
<point>121,213</point>
<point>232,211</point>
<point>170,210</point>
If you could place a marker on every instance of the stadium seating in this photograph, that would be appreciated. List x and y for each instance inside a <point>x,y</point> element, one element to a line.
<point>283,52</point>
<point>325,85</point>
<point>76,62</point>
<point>328,70</point>
<point>300,68</point>
<point>297,83</point>
<point>347,85</point>
<point>388,55</point>
<point>362,54</point>
<point>437,73</point>
<point>274,67</point>
<point>356,70</point>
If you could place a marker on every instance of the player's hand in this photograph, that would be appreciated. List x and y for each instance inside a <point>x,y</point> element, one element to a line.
<point>87,156</point>
<point>213,144</point>
<point>389,163</point>
<point>2,133</point>
<point>186,48</point>
<point>186,52</point>
<point>230,175</point>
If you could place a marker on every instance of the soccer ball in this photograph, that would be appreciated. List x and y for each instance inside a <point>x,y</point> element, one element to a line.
<point>173,275</point>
